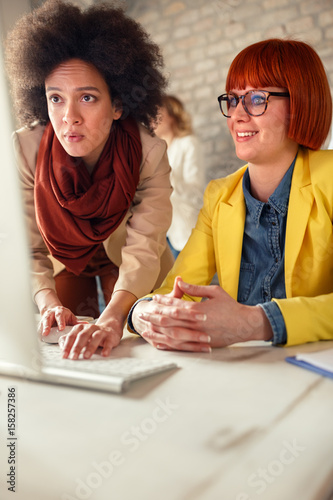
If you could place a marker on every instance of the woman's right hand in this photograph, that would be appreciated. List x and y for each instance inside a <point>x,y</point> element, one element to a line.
<point>52,312</point>
<point>58,316</point>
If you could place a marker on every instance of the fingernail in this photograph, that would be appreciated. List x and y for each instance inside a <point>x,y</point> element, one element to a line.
<point>205,338</point>
<point>87,354</point>
<point>201,317</point>
<point>206,349</point>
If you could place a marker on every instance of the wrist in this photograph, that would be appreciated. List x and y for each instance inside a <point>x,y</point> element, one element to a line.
<point>46,299</point>
<point>262,329</point>
<point>136,324</point>
<point>118,308</point>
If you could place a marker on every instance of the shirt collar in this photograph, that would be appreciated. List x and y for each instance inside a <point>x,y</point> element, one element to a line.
<point>278,200</point>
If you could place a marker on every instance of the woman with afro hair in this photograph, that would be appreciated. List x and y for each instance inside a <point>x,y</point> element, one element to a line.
<point>87,86</point>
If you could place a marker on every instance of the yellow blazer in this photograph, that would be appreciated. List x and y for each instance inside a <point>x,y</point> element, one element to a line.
<point>215,245</point>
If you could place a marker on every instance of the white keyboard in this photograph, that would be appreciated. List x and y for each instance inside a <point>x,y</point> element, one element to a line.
<point>120,371</point>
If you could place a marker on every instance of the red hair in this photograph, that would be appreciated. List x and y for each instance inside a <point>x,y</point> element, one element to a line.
<point>295,66</point>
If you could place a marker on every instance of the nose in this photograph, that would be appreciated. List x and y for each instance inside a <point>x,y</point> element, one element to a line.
<point>71,114</point>
<point>239,112</point>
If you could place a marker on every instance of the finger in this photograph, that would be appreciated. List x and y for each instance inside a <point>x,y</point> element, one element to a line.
<point>82,340</point>
<point>110,341</point>
<point>64,316</point>
<point>180,335</point>
<point>96,339</point>
<point>176,291</point>
<point>163,342</point>
<point>60,317</point>
<point>69,341</point>
<point>177,313</point>
<point>197,290</point>
<point>156,339</point>
<point>47,322</point>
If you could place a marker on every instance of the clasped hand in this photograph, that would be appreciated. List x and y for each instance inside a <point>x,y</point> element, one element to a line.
<point>169,322</point>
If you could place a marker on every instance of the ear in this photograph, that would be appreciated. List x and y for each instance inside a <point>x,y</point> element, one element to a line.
<point>117,108</point>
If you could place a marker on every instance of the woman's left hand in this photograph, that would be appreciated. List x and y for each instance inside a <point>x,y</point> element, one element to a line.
<point>86,338</point>
<point>107,332</point>
<point>218,321</point>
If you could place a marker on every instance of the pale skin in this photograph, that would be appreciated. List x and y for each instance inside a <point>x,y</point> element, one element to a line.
<point>168,322</point>
<point>166,127</point>
<point>81,112</point>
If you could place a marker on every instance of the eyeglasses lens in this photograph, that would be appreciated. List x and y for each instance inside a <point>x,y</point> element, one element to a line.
<point>254,103</point>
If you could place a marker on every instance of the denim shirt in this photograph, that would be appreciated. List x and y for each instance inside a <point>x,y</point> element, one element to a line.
<point>261,275</point>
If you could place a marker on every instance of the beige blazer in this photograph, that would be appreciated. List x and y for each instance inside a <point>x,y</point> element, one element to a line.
<point>137,246</point>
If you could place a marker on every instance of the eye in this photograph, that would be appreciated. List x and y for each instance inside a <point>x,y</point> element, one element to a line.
<point>55,99</point>
<point>258,99</point>
<point>232,101</point>
<point>88,98</point>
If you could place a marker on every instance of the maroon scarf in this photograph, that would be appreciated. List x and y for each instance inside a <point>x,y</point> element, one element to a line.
<point>76,211</point>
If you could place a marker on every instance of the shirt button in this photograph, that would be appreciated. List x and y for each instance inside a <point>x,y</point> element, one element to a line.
<point>273,224</point>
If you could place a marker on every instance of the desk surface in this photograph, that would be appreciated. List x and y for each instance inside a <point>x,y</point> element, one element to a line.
<point>237,424</point>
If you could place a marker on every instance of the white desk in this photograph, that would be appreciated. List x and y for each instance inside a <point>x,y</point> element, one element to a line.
<point>237,424</point>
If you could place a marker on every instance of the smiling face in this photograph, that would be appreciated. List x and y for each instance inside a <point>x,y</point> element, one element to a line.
<point>80,109</point>
<point>260,140</point>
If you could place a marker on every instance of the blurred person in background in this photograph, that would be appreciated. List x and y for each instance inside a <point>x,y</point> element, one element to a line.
<point>187,170</point>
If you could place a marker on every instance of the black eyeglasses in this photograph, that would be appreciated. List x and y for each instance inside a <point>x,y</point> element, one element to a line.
<point>254,101</point>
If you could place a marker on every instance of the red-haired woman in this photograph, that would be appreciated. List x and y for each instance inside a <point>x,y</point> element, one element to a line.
<point>265,229</point>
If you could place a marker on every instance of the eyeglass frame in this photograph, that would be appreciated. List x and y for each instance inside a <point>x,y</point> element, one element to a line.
<point>242,97</point>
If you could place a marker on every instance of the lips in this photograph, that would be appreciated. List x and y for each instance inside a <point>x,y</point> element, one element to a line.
<point>73,137</point>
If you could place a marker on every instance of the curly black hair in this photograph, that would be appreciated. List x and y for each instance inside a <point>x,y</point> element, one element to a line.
<point>103,35</point>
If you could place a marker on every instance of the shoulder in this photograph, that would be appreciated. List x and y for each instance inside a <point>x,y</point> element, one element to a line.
<point>320,167</point>
<point>153,148</point>
<point>29,137</point>
<point>26,144</point>
<point>320,160</point>
<point>224,188</point>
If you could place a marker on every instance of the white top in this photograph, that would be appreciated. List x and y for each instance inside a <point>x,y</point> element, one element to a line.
<point>188,181</point>
<point>330,145</point>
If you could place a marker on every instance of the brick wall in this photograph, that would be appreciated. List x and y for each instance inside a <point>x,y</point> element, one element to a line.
<point>199,39</point>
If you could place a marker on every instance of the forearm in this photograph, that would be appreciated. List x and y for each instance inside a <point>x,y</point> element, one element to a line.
<point>118,308</point>
<point>46,299</point>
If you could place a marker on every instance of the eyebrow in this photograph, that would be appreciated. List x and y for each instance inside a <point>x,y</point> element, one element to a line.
<point>77,89</point>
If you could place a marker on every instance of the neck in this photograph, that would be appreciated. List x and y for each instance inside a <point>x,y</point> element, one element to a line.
<point>90,166</point>
<point>266,178</point>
